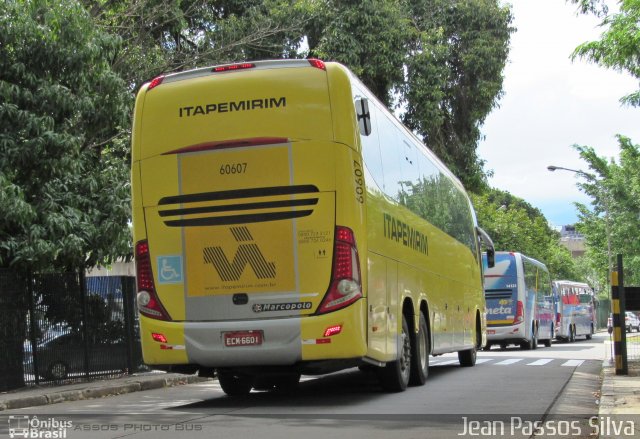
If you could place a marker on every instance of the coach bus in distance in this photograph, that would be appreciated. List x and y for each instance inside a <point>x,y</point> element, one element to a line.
<point>575,310</point>
<point>286,223</point>
<point>520,307</point>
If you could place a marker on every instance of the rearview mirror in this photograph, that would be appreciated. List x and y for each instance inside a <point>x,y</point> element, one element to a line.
<point>488,243</point>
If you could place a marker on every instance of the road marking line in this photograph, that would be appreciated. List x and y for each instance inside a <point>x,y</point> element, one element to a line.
<point>444,363</point>
<point>541,362</point>
<point>573,363</point>
<point>483,360</point>
<point>509,361</point>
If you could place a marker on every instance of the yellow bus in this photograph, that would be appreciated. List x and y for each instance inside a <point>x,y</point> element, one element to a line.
<point>286,223</point>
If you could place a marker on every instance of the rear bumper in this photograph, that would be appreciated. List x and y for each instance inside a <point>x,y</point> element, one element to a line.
<point>506,334</point>
<point>285,341</point>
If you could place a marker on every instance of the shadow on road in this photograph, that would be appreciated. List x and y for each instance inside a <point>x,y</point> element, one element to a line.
<point>344,388</point>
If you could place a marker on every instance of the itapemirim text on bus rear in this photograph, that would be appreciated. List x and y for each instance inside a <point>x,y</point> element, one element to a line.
<point>286,223</point>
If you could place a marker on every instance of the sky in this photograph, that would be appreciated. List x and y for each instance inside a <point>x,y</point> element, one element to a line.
<point>551,103</point>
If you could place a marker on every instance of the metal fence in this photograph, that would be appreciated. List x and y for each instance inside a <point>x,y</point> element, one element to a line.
<point>67,327</point>
<point>603,310</point>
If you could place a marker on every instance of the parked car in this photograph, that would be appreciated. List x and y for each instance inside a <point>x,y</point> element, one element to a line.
<point>631,322</point>
<point>64,355</point>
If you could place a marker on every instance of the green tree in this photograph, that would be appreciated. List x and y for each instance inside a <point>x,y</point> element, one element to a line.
<point>515,225</point>
<point>63,157</point>
<point>454,77</point>
<point>171,35</point>
<point>441,61</point>
<point>614,216</point>
<point>619,44</point>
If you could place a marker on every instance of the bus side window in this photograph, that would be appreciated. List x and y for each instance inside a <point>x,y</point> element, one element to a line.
<point>391,154</point>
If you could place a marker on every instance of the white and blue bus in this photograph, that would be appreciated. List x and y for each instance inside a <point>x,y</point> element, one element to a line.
<point>520,303</point>
<point>575,310</point>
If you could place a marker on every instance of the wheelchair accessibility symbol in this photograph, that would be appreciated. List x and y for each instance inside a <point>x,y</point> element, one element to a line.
<point>170,269</point>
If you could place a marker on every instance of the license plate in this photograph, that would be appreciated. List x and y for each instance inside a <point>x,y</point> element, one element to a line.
<point>242,338</point>
<point>491,331</point>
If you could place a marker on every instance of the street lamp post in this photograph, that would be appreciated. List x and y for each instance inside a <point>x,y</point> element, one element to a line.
<point>605,199</point>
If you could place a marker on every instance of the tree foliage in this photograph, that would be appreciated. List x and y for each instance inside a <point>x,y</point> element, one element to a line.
<point>441,61</point>
<point>515,225</point>
<point>614,216</point>
<point>611,222</point>
<point>63,169</point>
<point>170,35</point>
<point>69,71</point>
<point>596,7</point>
<point>619,45</point>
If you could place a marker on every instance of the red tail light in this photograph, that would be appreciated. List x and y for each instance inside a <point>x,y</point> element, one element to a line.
<point>155,82</point>
<point>160,338</point>
<point>519,313</point>
<point>345,287</point>
<point>148,302</point>
<point>333,330</point>
<point>318,64</point>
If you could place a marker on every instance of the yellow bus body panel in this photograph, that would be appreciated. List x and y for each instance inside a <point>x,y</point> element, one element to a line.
<point>305,112</point>
<point>171,352</point>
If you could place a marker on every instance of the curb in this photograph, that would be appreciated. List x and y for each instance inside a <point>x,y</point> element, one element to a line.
<point>607,392</point>
<point>109,389</point>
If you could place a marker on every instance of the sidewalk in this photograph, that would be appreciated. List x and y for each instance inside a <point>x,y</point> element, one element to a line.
<point>620,393</point>
<point>43,395</point>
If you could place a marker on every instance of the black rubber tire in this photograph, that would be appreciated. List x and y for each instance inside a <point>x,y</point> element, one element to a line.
<point>234,384</point>
<point>572,334</point>
<point>534,341</point>
<point>420,348</point>
<point>394,377</point>
<point>468,357</point>
<point>547,343</point>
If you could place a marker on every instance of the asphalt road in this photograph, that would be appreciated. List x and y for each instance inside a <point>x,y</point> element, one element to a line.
<point>504,395</point>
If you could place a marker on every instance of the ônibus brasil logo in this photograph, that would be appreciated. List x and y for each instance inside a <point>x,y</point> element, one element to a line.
<point>22,426</point>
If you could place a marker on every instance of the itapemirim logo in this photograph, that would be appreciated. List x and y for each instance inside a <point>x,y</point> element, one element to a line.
<point>248,253</point>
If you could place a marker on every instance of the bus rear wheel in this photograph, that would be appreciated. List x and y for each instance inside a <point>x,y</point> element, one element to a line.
<point>530,345</point>
<point>394,377</point>
<point>234,384</point>
<point>572,334</point>
<point>547,343</point>
<point>420,354</point>
<point>590,334</point>
<point>468,357</point>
